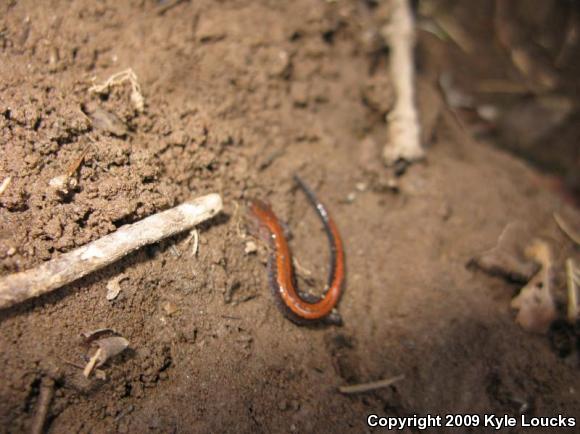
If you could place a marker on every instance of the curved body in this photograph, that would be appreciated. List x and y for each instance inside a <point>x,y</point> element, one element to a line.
<point>299,308</point>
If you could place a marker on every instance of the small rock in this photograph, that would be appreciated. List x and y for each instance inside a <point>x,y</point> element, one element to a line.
<point>250,248</point>
<point>63,185</point>
<point>299,92</point>
<point>170,308</point>
<point>279,65</point>
<point>54,228</point>
<point>361,186</point>
<point>445,211</point>
<point>211,29</point>
<point>387,185</point>
<point>488,112</point>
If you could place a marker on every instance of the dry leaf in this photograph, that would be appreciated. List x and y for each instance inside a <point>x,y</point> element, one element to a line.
<point>107,348</point>
<point>535,304</point>
<point>95,334</point>
<point>506,259</point>
<point>104,120</point>
<point>110,347</point>
<point>114,287</point>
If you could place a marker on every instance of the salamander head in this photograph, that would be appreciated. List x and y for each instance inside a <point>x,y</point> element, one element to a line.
<point>258,216</point>
<point>259,207</point>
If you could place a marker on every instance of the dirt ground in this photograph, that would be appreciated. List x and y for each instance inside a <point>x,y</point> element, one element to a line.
<point>239,96</point>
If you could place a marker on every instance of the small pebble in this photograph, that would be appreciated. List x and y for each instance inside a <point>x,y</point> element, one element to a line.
<point>63,184</point>
<point>170,308</point>
<point>250,248</point>
<point>113,290</point>
<point>361,186</point>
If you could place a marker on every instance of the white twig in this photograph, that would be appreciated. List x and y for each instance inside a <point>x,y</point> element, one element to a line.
<point>366,387</point>
<point>195,248</point>
<point>572,280</point>
<point>91,363</point>
<point>404,138</point>
<point>106,250</point>
<point>4,185</point>
<point>44,399</point>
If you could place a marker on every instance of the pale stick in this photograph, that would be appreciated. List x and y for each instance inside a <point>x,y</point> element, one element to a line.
<point>73,265</point>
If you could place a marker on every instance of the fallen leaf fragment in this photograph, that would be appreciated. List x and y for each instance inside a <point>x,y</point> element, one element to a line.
<point>535,304</point>
<point>104,120</point>
<point>95,334</point>
<point>107,348</point>
<point>506,259</point>
<point>114,287</point>
<point>170,308</point>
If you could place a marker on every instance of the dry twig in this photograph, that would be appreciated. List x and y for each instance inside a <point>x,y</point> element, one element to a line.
<point>4,185</point>
<point>44,399</point>
<point>73,265</point>
<point>195,247</point>
<point>366,387</point>
<point>573,280</point>
<point>404,141</point>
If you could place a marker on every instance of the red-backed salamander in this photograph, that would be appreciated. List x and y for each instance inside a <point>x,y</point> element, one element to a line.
<point>299,308</point>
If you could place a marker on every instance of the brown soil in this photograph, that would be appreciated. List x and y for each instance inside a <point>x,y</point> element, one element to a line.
<point>240,95</point>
